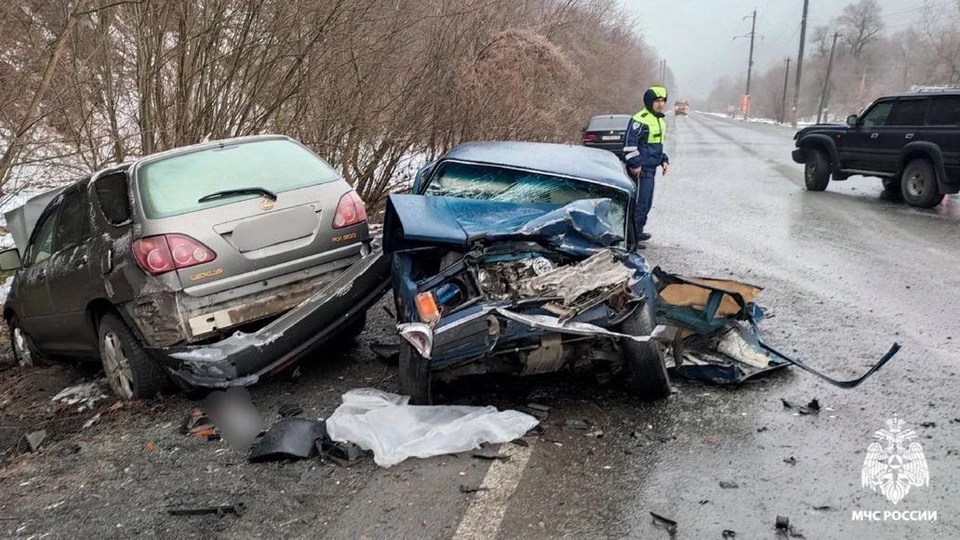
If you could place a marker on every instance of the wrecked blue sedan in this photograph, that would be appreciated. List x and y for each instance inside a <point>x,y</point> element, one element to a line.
<point>511,258</point>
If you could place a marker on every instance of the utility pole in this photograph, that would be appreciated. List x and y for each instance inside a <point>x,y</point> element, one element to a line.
<point>783,102</point>
<point>796,87</point>
<point>753,30</point>
<point>663,71</point>
<point>826,80</point>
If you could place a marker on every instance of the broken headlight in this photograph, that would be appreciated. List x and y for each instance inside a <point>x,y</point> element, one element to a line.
<point>419,335</point>
<point>431,304</point>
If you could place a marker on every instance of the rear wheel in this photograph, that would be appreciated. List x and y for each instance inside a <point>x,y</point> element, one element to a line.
<point>131,373</point>
<point>816,170</point>
<point>646,371</point>
<point>919,185</point>
<point>415,376</point>
<point>24,352</point>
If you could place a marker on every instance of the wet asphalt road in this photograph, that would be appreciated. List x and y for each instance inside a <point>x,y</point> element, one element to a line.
<point>846,273</point>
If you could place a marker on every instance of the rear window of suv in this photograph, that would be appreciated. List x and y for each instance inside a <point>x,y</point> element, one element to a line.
<point>944,111</point>
<point>172,186</point>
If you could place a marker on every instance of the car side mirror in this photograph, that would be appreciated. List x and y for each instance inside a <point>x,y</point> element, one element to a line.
<point>852,120</point>
<point>10,260</point>
<point>422,175</point>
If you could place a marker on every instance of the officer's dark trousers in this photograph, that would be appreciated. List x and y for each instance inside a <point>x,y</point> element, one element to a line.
<point>644,198</point>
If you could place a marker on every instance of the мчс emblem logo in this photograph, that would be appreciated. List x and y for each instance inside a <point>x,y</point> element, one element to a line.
<point>893,466</point>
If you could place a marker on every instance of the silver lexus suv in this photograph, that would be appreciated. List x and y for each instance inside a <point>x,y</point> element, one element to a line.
<point>215,263</point>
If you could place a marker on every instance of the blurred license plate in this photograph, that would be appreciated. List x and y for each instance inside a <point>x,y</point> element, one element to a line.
<point>610,138</point>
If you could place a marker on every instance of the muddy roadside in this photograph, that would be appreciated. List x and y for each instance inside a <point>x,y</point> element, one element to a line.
<point>118,477</point>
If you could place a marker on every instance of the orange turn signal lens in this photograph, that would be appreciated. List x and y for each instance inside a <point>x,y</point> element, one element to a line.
<point>427,307</point>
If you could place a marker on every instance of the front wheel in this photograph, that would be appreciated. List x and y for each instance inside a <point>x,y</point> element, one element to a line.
<point>919,185</point>
<point>816,170</point>
<point>131,373</point>
<point>646,371</point>
<point>415,376</point>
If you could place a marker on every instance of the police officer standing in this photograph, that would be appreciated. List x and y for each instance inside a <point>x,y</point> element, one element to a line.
<point>643,151</point>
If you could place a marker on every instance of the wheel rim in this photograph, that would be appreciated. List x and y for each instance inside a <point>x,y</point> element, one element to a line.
<point>811,172</point>
<point>117,366</point>
<point>915,184</point>
<point>24,354</point>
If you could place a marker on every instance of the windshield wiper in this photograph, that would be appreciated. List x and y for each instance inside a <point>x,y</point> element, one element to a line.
<point>238,192</point>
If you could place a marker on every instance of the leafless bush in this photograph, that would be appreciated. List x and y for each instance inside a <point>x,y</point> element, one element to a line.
<point>372,86</point>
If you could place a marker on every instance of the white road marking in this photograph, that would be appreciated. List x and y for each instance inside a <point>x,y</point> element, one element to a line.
<point>485,514</point>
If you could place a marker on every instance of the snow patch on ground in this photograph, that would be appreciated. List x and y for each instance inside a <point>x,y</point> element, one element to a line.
<point>5,290</point>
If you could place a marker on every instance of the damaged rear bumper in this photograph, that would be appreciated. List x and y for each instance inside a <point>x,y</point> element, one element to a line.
<point>243,358</point>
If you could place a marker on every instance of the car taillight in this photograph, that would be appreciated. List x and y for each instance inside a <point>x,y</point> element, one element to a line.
<point>350,211</point>
<point>167,252</point>
<point>589,137</point>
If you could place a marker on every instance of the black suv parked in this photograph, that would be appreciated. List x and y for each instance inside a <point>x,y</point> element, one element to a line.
<point>911,141</point>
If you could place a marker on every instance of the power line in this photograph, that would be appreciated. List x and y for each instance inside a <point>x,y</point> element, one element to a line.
<point>780,43</point>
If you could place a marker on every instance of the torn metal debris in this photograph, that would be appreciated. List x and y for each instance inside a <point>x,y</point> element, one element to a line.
<point>289,438</point>
<point>343,453</point>
<point>719,339</point>
<point>236,509</point>
<point>35,439</point>
<point>667,523</point>
<point>289,410</point>
<point>85,396</point>
<point>491,454</point>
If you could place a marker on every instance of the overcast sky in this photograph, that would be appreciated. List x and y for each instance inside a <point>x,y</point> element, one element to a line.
<point>696,36</point>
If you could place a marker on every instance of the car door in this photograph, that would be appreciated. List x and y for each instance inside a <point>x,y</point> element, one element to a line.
<point>69,278</point>
<point>903,126</point>
<point>35,306</point>
<point>860,143</point>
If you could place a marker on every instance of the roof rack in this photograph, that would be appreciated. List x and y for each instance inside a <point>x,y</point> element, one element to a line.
<point>933,89</point>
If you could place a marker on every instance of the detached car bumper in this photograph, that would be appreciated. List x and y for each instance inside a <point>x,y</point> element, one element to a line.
<point>243,358</point>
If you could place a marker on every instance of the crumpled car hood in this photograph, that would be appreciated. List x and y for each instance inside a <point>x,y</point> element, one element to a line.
<point>417,220</point>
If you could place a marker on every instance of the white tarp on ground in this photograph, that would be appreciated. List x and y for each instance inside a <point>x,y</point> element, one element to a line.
<point>384,423</point>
